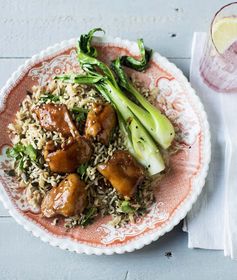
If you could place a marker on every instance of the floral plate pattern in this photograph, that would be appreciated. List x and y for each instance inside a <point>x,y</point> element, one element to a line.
<point>175,192</point>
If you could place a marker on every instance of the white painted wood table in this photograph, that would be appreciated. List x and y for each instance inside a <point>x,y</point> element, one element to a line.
<point>26,27</point>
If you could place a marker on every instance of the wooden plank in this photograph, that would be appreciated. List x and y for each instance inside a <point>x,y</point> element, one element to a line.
<point>182,64</point>
<point>26,257</point>
<point>26,29</point>
<point>3,211</point>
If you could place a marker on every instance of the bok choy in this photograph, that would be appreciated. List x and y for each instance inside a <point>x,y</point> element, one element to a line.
<point>139,138</point>
<point>157,124</point>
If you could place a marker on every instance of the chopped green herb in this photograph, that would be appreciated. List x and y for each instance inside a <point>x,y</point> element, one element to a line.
<point>20,153</point>
<point>88,216</point>
<point>138,196</point>
<point>21,163</point>
<point>79,113</point>
<point>126,207</point>
<point>15,151</point>
<point>51,97</point>
<point>80,117</point>
<point>76,109</point>
<point>31,152</point>
<point>81,170</point>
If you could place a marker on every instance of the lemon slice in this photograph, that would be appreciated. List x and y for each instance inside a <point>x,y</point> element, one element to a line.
<point>224,33</point>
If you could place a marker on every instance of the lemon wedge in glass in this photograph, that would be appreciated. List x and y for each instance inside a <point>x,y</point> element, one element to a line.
<point>224,33</point>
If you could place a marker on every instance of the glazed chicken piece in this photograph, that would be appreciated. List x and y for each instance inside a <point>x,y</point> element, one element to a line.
<point>48,148</point>
<point>67,199</point>
<point>66,160</point>
<point>100,122</point>
<point>123,172</point>
<point>55,117</point>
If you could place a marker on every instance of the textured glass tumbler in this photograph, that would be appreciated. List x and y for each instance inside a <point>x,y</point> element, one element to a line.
<point>219,69</point>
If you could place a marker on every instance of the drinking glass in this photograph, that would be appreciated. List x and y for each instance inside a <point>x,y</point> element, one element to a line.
<point>219,69</point>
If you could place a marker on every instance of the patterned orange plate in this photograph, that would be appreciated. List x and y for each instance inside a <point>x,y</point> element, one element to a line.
<point>175,193</point>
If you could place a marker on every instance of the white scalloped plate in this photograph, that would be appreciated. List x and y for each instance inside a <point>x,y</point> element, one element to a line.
<point>175,193</point>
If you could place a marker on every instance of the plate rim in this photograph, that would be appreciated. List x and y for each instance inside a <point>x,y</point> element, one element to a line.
<point>181,210</point>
